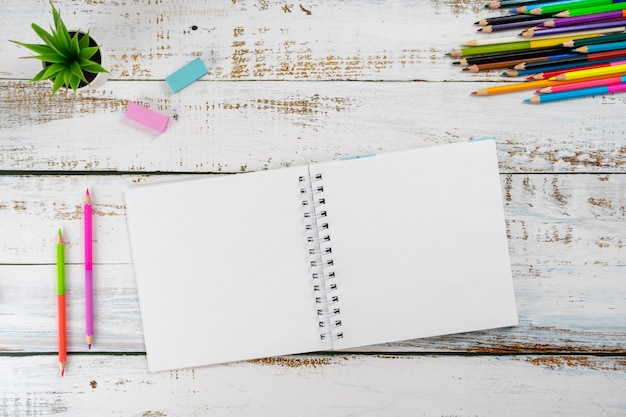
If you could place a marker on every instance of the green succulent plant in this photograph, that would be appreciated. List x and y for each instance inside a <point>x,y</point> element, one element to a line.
<point>66,58</point>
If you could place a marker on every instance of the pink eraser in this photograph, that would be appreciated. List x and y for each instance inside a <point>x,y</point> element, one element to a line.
<point>147,117</point>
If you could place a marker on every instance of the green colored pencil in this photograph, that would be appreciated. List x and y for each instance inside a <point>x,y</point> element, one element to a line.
<point>608,38</point>
<point>557,7</point>
<point>592,10</point>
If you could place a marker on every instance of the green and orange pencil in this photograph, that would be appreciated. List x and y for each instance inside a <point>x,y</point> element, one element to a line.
<point>61,302</point>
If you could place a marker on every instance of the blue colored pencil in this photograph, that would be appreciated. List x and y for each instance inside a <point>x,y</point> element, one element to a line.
<point>583,92</point>
<point>601,47</point>
<point>517,73</point>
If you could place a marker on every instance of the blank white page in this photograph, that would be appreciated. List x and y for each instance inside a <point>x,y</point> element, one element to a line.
<point>222,269</point>
<point>419,244</point>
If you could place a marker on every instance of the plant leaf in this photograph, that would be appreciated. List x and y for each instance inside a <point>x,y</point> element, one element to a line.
<point>84,41</point>
<point>52,71</point>
<point>60,25</point>
<point>53,58</point>
<point>39,75</point>
<point>35,47</point>
<point>93,67</point>
<point>48,39</point>
<point>87,53</point>
<point>67,75</point>
<point>43,34</point>
<point>77,71</point>
<point>74,81</point>
<point>62,42</point>
<point>58,83</point>
<point>74,47</point>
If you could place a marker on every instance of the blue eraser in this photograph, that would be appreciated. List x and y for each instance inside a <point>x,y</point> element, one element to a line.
<point>186,75</point>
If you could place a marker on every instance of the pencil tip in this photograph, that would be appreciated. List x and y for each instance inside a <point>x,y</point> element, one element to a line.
<point>87,192</point>
<point>89,346</point>
<point>474,92</point>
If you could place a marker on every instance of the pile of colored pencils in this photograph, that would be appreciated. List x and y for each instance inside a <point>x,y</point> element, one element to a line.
<point>563,49</point>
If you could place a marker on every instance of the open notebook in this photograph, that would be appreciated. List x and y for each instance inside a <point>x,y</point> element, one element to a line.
<point>321,257</point>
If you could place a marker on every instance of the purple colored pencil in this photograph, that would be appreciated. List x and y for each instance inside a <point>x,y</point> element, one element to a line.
<point>87,213</point>
<point>507,26</point>
<point>530,33</point>
<point>589,18</point>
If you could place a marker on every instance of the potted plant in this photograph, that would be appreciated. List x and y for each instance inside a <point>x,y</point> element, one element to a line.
<point>71,59</point>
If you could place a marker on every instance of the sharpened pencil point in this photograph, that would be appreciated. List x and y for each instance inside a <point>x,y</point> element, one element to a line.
<point>89,346</point>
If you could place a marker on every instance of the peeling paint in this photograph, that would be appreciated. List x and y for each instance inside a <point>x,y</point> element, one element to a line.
<point>290,362</point>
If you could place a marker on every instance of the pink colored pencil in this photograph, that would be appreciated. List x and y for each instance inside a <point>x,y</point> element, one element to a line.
<point>88,270</point>
<point>583,84</point>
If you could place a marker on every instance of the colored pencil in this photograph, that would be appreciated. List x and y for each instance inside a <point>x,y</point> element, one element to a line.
<point>584,92</point>
<point>87,217</point>
<point>602,47</point>
<point>595,17</point>
<point>507,26</point>
<point>520,39</point>
<point>591,10</point>
<point>61,303</point>
<point>576,75</point>
<point>553,72</point>
<point>526,85</point>
<point>591,57</point>
<point>507,56</point>
<point>499,20</point>
<point>558,68</point>
<point>512,87</point>
<point>506,64</point>
<point>510,3</point>
<point>610,26</point>
<point>582,84</point>
<point>557,7</point>
<point>610,37</point>
<point>516,46</point>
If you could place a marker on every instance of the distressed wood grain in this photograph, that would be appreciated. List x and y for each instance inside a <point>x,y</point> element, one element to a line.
<point>552,220</point>
<point>337,385</point>
<point>291,83</point>
<point>241,126</point>
<point>259,40</point>
<point>566,309</point>
<point>566,239</point>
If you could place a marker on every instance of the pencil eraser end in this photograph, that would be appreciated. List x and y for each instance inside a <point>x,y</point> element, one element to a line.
<point>186,75</point>
<point>147,117</point>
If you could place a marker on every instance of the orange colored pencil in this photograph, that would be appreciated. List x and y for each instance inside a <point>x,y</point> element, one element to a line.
<point>527,85</point>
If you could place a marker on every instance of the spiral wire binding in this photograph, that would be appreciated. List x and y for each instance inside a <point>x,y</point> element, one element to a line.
<point>320,257</point>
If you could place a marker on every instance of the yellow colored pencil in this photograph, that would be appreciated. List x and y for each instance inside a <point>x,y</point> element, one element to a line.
<point>592,72</point>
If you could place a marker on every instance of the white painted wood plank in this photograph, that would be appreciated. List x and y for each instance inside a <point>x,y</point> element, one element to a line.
<point>552,220</point>
<point>319,385</point>
<point>566,239</point>
<point>245,126</point>
<point>268,39</point>
<point>562,309</point>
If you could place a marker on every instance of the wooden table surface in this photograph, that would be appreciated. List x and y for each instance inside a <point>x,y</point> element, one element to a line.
<point>291,83</point>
